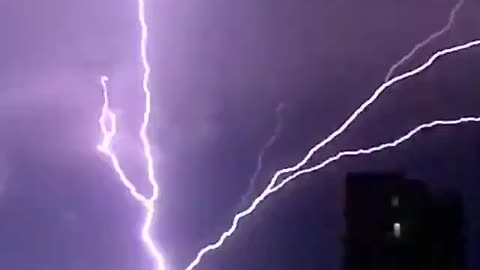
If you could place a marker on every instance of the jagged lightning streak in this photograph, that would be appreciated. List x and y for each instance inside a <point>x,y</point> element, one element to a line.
<point>430,38</point>
<point>105,146</point>
<point>259,165</point>
<point>146,90</point>
<point>150,206</point>
<point>370,150</point>
<point>323,164</point>
<point>327,140</point>
<point>357,152</point>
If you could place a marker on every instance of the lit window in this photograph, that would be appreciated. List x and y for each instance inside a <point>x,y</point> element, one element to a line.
<point>397,230</point>
<point>395,201</point>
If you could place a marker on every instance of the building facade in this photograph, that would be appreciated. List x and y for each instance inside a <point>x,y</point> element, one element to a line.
<point>396,223</point>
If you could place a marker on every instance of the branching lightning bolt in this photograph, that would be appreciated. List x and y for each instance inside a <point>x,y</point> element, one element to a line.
<point>370,150</point>
<point>350,153</point>
<point>108,134</point>
<point>106,145</point>
<point>432,37</point>
<point>259,165</point>
<point>327,140</point>
<point>336,157</point>
<point>108,115</point>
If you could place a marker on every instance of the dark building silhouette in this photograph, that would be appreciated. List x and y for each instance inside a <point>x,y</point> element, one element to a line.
<point>393,223</point>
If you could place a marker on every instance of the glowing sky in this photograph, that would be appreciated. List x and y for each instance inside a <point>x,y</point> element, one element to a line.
<point>220,70</point>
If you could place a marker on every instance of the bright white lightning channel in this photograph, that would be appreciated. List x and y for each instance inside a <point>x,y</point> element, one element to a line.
<point>150,206</point>
<point>108,134</point>
<point>108,126</point>
<point>349,153</point>
<point>327,140</point>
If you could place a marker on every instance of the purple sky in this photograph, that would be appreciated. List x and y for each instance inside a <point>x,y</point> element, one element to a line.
<point>219,71</point>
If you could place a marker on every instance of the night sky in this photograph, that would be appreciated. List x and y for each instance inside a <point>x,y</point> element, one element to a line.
<point>219,70</point>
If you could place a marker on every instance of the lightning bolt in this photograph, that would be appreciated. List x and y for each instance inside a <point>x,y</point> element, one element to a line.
<point>327,140</point>
<point>432,37</point>
<point>150,206</point>
<point>259,165</point>
<point>108,134</point>
<point>108,126</point>
<point>367,151</point>
<point>328,161</point>
<point>106,145</point>
<point>336,157</point>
